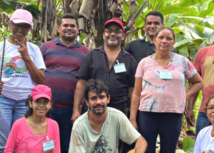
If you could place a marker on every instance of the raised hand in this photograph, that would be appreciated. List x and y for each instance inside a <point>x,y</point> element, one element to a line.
<point>23,49</point>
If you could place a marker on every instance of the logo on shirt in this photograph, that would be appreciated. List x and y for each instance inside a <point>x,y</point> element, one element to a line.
<point>15,65</point>
<point>102,146</point>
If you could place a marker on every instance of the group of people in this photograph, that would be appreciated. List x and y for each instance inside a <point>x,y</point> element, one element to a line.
<point>43,90</point>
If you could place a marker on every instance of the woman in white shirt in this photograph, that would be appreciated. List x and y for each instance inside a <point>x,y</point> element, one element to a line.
<point>205,139</point>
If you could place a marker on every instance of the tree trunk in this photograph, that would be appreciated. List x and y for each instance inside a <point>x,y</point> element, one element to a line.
<point>66,4</point>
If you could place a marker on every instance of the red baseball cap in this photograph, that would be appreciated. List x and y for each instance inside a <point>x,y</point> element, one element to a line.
<point>114,21</point>
<point>41,91</point>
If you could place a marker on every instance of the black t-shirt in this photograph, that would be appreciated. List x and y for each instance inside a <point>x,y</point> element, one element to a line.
<point>96,66</point>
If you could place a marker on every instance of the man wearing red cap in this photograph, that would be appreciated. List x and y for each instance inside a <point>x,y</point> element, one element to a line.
<point>23,68</point>
<point>111,64</point>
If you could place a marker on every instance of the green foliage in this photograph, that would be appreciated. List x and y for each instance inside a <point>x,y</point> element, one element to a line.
<point>188,144</point>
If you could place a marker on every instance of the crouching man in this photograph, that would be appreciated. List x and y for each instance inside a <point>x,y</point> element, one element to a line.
<point>99,129</point>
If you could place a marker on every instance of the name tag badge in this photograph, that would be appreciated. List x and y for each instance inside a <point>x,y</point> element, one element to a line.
<point>166,75</point>
<point>48,145</point>
<point>119,68</point>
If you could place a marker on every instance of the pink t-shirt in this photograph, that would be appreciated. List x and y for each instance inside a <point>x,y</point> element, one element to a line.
<point>160,95</point>
<point>204,64</point>
<point>24,141</point>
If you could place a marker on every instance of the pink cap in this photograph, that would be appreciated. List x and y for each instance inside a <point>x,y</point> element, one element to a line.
<point>22,16</point>
<point>41,91</point>
<point>114,21</point>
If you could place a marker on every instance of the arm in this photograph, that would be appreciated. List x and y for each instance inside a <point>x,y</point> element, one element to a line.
<point>130,92</point>
<point>140,145</point>
<point>78,96</point>
<point>1,86</point>
<point>135,101</point>
<point>36,74</point>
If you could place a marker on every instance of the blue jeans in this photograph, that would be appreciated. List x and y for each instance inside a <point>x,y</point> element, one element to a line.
<point>167,125</point>
<point>10,111</point>
<point>202,122</point>
<point>63,118</point>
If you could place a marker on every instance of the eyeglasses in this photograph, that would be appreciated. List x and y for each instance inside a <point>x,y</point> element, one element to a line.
<point>109,31</point>
<point>24,27</point>
<point>210,108</point>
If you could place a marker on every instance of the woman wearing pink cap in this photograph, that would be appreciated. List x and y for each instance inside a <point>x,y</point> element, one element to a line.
<point>35,133</point>
<point>23,68</point>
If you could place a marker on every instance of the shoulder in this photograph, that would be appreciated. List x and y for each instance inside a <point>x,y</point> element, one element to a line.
<point>80,122</point>
<point>19,122</point>
<point>52,123</point>
<point>116,114</point>
<point>203,50</point>
<point>205,131</point>
<point>49,43</point>
<point>83,48</point>
<point>134,42</point>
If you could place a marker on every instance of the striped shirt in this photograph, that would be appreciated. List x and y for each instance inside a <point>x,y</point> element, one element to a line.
<point>62,64</point>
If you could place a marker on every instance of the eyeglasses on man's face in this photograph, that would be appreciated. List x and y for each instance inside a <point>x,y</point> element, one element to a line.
<point>117,31</point>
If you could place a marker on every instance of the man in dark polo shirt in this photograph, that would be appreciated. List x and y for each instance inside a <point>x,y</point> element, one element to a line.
<point>63,58</point>
<point>143,47</point>
<point>111,64</point>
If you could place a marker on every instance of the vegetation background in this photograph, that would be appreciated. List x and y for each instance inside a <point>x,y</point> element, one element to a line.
<point>192,21</point>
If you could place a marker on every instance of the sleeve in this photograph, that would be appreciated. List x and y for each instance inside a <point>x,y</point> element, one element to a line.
<point>39,61</point>
<point>56,139</point>
<point>190,70</point>
<point>197,147</point>
<point>84,71</point>
<point>11,141</point>
<point>197,61</point>
<point>140,69</point>
<point>76,143</point>
<point>133,68</point>
<point>128,133</point>
<point>42,49</point>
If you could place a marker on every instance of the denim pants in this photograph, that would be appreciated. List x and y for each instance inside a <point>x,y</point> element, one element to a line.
<point>202,122</point>
<point>63,118</point>
<point>10,111</point>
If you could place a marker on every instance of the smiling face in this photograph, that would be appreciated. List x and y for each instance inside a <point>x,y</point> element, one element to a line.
<point>152,23</point>
<point>164,41</point>
<point>210,110</point>
<point>68,29</point>
<point>40,106</point>
<point>113,35</point>
<point>20,30</point>
<point>97,102</point>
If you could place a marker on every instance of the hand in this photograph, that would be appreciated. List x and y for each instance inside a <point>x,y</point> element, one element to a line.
<point>190,117</point>
<point>1,86</point>
<point>134,124</point>
<point>23,49</point>
<point>75,115</point>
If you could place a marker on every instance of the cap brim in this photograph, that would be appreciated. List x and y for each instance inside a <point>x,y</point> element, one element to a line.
<point>113,23</point>
<point>41,96</point>
<point>20,21</point>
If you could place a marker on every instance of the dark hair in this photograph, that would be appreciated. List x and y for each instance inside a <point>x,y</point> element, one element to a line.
<point>96,86</point>
<point>30,110</point>
<point>162,28</point>
<point>155,13</point>
<point>68,16</point>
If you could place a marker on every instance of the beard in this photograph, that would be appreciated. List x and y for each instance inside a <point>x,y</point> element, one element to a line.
<point>68,38</point>
<point>100,112</point>
<point>114,43</point>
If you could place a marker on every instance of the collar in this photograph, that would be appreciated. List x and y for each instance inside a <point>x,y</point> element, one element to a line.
<point>145,39</point>
<point>101,48</point>
<point>58,42</point>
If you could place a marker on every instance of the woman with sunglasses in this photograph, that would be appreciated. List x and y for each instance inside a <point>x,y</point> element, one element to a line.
<point>23,68</point>
<point>205,139</point>
<point>36,132</point>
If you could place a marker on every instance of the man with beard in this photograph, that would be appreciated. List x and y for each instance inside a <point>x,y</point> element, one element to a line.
<point>99,129</point>
<point>111,64</point>
<point>63,58</point>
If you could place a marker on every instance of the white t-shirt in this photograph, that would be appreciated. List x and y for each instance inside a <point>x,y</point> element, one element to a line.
<point>204,142</point>
<point>17,79</point>
<point>116,126</point>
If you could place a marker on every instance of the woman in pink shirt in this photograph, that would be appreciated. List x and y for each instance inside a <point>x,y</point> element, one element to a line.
<point>35,133</point>
<point>160,94</point>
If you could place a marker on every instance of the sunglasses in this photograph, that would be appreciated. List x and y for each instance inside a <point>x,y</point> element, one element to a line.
<point>24,27</point>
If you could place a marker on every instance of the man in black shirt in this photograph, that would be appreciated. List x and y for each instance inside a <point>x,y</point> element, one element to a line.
<point>111,64</point>
<point>143,47</point>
